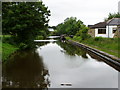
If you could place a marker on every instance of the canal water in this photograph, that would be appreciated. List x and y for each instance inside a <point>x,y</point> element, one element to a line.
<point>55,64</point>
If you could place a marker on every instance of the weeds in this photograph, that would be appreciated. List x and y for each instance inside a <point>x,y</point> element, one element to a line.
<point>109,45</point>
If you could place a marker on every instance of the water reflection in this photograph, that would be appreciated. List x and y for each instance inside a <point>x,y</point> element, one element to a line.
<point>72,50</point>
<point>25,69</point>
<point>100,59</point>
<point>38,44</point>
<point>70,64</point>
<point>54,63</point>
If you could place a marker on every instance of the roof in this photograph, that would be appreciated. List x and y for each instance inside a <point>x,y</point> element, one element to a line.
<point>90,26</point>
<point>114,21</point>
<point>98,25</point>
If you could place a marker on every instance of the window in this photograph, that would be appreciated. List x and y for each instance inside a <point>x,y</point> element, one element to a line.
<point>114,30</point>
<point>101,31</point>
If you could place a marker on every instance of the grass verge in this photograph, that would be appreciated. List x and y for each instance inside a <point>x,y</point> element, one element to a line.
<point>108,45</point>
<point>7,50</point>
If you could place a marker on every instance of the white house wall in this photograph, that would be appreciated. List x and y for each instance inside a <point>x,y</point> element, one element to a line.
<point>100,35</point>
<point>110,28</point>
<point>109,34</point>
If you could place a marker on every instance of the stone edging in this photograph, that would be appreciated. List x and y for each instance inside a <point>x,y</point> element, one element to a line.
<point>102,54</point>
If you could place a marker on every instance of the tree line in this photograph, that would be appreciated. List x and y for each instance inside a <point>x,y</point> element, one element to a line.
<point>113,15</point>
<point>72,26</point>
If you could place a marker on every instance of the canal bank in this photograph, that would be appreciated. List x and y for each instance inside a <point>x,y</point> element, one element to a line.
<point>7,50</point>
<point>109,59</point>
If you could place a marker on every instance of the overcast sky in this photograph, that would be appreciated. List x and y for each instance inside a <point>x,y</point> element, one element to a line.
<point>89,11</point>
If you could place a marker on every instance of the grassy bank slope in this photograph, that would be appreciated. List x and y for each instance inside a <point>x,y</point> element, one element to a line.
<point>7,50</point>
<point>108,45</point>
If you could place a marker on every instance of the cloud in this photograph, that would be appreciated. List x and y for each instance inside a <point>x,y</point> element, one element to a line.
<point>89,11</point>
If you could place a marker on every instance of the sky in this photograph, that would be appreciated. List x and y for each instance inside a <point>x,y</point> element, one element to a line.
<point>88,11</point>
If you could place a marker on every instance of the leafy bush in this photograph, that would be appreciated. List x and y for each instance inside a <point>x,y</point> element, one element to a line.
<point>10,40</point>
<point>98,38</point>
<point>39,37</point>
<point>77,38</point>
<point>23,46</point>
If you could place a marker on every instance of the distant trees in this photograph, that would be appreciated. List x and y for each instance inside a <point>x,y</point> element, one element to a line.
<point>83,33</point>
<point>112,15</point>
<point>25,20</point>
<point>70,26</point>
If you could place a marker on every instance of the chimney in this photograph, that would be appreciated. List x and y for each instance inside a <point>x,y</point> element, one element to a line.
<point>119,6</point>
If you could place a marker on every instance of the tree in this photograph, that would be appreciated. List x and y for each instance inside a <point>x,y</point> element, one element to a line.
<point>112,15</point>
<point>83,33</point>
<point>70,26</point>
<point>0,17</point>
<point>25,20</point>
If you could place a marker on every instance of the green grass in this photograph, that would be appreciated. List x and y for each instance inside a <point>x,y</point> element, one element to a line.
<point>0,50</point>
<point>7,50</point>
<point>108,45</point>
<point>5,35</point>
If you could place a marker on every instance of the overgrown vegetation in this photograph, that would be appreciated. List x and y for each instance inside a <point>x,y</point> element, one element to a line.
<point>8,46</point>
<point>7,49</point>
<point>108,45</point>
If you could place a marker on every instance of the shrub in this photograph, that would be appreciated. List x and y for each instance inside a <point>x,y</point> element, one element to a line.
<point>98,38</point>
<point>23,46</point>
<point>10,40</point>
<point>77,38</point>
<point>39,37</point>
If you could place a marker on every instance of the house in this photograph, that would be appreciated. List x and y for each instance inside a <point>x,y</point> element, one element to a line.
<point>97,30</point>
<point>105,29</point>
